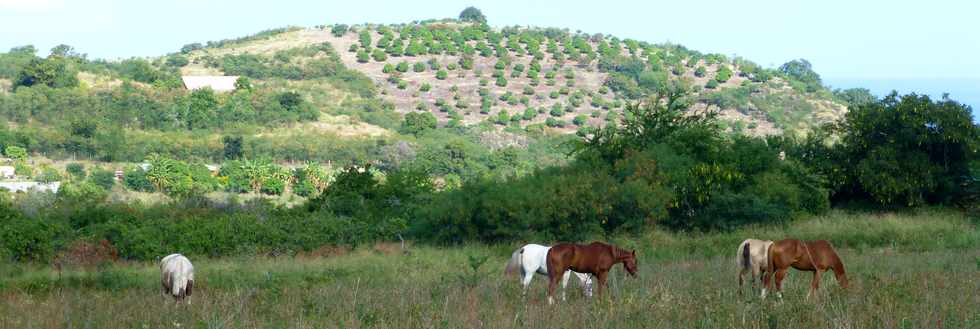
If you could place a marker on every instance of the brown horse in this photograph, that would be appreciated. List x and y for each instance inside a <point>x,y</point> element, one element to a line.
<point>812,256</point>
<point>595,258</point>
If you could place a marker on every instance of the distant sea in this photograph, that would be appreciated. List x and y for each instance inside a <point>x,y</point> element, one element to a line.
<point>965,91</point>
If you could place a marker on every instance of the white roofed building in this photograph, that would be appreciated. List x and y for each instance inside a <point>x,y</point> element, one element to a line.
<point>215,82</point>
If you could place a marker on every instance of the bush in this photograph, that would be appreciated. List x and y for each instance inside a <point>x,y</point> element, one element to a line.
<point>339,30</point>
<point>442,75</point>
<point>711,84</point>
<point>501,82</point>
<point>425,87</point>
<point>134,178</point>
<point>76,170</point>
<point>402,67</point>
<point>700,71</point>
<point>724,73</point>
<point>103,178</point>
<point>580,120</point>
<point>388,68</point>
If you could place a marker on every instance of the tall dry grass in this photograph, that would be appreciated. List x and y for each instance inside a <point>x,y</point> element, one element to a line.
<point>907,271</point>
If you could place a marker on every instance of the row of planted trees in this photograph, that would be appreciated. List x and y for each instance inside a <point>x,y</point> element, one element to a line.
<point>180,179</point>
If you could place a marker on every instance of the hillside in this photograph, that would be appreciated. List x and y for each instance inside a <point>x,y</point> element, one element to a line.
<point>534,75</point>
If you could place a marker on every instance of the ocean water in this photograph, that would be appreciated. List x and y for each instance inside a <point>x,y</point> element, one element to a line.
<point>965,90</point>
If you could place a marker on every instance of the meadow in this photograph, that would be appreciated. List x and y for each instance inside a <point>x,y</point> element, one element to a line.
<point>908,270</point>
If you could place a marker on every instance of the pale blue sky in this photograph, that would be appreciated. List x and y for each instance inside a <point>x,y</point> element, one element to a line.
<point>843,39</point>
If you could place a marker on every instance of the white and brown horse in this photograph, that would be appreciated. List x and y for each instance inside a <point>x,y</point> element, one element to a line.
<point>752,257</point>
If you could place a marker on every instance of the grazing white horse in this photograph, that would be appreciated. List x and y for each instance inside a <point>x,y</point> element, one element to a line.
<point>533,258</point>
<point>752,256</point>
<point>178,276</point>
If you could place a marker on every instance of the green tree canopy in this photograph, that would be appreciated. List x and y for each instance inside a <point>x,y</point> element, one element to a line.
<point>472,14</point>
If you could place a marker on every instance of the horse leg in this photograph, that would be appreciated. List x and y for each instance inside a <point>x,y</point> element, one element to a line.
<point>526,281</point>
<point>553,277</point>
<point>741,273</point>
<point>601,276</point>
<point>564,284</point>
<point>780,275</point>
<point>814,285</point>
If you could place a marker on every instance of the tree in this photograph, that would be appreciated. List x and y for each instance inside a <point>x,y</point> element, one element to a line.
<point>417,122</point>
<point>55,72</point>
<point>232,147</point>
<point>855,96</point>
<point>338,30</point>
<point>472,14</point>
<point>801,70</point>
<point>243,83</point>
<point>200,109</point>
<point>906,150</point>
<point>16,152</point>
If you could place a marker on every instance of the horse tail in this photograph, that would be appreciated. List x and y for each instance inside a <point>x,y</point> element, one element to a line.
<point>744,258</point>
<point>516,260</point>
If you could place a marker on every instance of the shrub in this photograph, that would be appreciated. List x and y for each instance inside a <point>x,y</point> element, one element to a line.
<point>528,90</point>
<point>363,57</point>
<point>379,55</point>
<point>711,84</point>
<point>402,67</point>
<point>724,73</point>
<point>554,123</point>
<point>134,178</point>
<point>103,178</point>
<point>338,30</point>
<point>48,175</point>
<point>76,170</point>
<point>442,75</point>
<point>425,87</point>
<point>501,82</point>
<point>419,67</point>
<point>415,123</point>
<point>699,72</point>
<point>580,120</point>
<point>388,68</point>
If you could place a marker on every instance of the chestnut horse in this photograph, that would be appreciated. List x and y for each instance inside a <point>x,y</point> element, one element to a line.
<point>595,258</point>
<point>812,256</point>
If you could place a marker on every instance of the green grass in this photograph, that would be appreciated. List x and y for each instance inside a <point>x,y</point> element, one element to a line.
<point>907,271</point>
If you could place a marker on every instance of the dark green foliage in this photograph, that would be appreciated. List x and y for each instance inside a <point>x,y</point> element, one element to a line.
<point>103,178</point>
<point>232,147</point>
<point>472,14</point>
<point>134,178</point>
<point>415,123</point>
<point>76,170</point>
<point>855,97</point>
<point>906,150</point>
<point>55,72</point>
<point>800,70</point>
<point>339,30</point>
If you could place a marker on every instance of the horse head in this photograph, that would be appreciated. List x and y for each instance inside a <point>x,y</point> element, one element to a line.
<point>630,263</point>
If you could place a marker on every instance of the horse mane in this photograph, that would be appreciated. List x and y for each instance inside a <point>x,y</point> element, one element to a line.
<point>619,253</point>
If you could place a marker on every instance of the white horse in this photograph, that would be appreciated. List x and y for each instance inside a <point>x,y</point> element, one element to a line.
<point>533,258</point>
<point>178,276</point>
<point>753,255</point>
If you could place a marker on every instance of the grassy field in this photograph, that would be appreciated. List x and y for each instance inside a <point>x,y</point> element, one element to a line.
<point>907,271</point>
